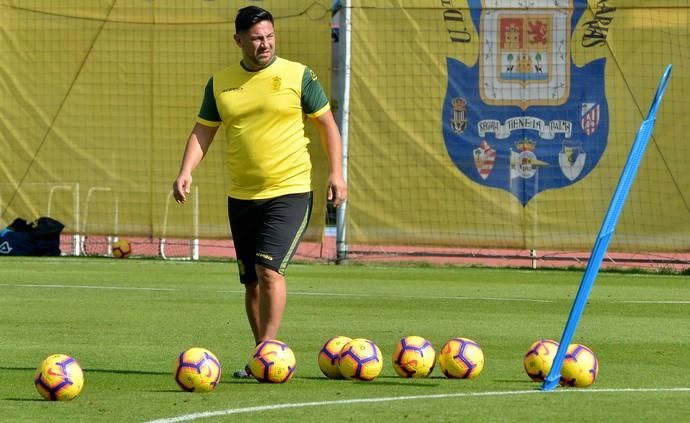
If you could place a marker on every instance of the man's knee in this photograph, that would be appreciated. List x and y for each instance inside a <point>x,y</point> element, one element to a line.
<point>268,276</point>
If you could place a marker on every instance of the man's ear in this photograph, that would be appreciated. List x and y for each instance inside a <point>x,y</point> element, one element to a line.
<point>236,37</point>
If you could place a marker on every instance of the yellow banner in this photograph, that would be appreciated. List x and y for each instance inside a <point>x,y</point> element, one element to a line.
<point>497,125</point>
<point>98,98</point>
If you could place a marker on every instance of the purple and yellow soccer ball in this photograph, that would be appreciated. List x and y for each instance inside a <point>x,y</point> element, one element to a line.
<point>360,359</point>
<point>580,367</point>
<point>539,359</point>
<point>329,356</point>
<point>59,377</point>
<point>121,249</point>
<point>414,357</point>
<point>461,358</point>
<point>197,370</point>
<point>273,361</point>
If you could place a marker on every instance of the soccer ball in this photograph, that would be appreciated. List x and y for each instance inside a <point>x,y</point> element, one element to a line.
<point>59,378</point>
<point>121,249</point>
<point>329,355</point>
<point>580,366</point>
<point>539,358</point>
<point>272,362</point>
<point>197,370</point>
<point>461,358</point>
<point>360,359</point>
<point>414,357</point>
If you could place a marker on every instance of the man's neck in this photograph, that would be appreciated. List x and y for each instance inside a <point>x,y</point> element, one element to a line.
<point>256,69</point>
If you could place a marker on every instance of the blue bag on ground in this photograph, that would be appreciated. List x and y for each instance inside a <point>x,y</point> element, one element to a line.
<point>40,238</point>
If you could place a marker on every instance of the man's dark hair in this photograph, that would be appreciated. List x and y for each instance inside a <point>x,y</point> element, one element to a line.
<point>250,15</point>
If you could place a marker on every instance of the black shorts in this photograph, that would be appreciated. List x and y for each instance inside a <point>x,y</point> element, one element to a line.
<point>267,232</point>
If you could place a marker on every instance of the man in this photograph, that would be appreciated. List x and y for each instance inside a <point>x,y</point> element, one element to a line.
<point>261,101</point>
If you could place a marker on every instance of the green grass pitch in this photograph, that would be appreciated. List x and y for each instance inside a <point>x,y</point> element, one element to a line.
<point>126,321</point>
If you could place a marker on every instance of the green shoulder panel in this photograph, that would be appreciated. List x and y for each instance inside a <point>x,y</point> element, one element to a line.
<point>209,110</point>
<point>313,96</point>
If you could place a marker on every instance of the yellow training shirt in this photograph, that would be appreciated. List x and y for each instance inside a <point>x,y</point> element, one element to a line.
<point>262,112</point>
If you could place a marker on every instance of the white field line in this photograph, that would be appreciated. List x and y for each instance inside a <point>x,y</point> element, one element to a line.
<point>332,294</point>
<point>316,294</point>
<point>113,288</point>
<point>416,297</point>
<point>262,408</point>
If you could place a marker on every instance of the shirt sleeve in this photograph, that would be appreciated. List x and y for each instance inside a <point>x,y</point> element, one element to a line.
<point>208,114</point>
<point>314,100</point>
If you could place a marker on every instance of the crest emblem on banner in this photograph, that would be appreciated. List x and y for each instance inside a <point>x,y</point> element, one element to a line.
<point>523,117</point>
<point>571,159</point>
<point>589,117</point>
<point>484,158</point>
<point>459,119</point>
<point>523,162</point>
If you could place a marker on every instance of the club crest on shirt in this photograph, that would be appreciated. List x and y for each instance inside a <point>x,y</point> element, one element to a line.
<point>276,82</point>
<point>523,117</point>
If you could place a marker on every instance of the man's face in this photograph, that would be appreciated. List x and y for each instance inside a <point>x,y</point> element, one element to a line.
<point>257,45</point>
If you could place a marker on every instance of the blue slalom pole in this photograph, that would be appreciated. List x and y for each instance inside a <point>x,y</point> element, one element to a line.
<point>606,232</point>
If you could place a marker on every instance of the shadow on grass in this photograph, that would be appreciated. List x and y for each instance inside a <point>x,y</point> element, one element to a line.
<point>169,391</point>
<point>520,381</point>
<point>90,370</point>
<point>126,372</point>
<point>382,380</point>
